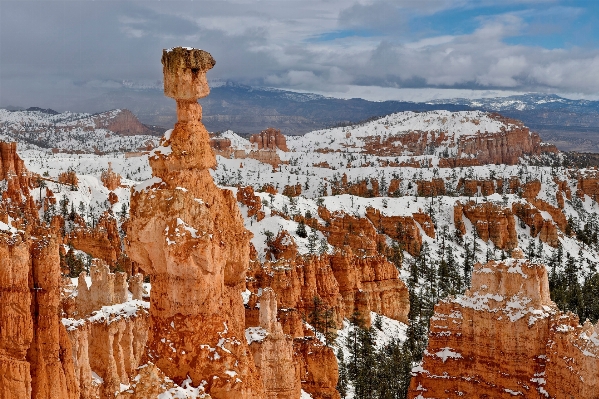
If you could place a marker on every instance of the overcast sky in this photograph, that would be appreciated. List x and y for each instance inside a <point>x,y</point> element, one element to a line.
<point>55,52</point>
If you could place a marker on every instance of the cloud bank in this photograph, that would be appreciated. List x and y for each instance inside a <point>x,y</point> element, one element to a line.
<point>56,53</point>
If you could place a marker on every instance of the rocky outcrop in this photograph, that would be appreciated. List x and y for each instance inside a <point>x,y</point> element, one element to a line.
<point>563,189</point>
<point>404,229</point>
<point>588,184</point>
<point>188,235</point>
<point>123,122</point>
<point>361,188</point>
<point>546,229</point>
<point>69,177</point>
<point>107,325</point>
<point>366,234</point>
<point>470,187</point>
<point>292,191</point>
<point>506,338</point>
<point>110,179</point>
<point>12,169</point>
<point>11,165</point>
<point>246,196</point>
<point>505,146</point>
<point>265,156</point>
<point>35,357</point>
<point>111,343</point>
<point>431,188</point>
<point>394,187</point>
<point>273,354</point>
<point>318,368</point>
<point>491,221</point>
<point>342,229</point>
<point>370,284</point>
<point>16,332</point>
<point>283,246</point>
<point>106,289</point>
<point>343,282</point>
<point>269,139</point>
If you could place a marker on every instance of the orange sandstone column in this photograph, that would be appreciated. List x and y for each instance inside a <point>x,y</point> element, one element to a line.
<point>189,236</point>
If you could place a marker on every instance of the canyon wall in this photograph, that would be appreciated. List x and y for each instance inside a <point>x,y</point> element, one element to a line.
<point>35,357</point>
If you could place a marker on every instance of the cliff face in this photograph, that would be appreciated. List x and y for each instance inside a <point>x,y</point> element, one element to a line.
<point>505,337</point>
<point>481,139</point>
<point>343,282</point>
<point>107,331</point>
<point>35,357</point>
<point>122,122</point>
<point>491,222</point>
<point>189,236</point>
<point>274,355</point>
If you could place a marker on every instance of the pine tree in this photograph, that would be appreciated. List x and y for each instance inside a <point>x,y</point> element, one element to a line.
<point>445,286</point>
<point>312,241</point>
<point>342,382</point>
<point>362,362</point>
<point>323,320</point>
<point>301,229</point>
<point>468,263</point>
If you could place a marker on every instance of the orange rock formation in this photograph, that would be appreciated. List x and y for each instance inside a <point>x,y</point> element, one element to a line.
<point>506,338</point>
<point>492,222</point>
<point>273,355</point>
<point>189,236</point>
<point>110,179</point>
<point>35,356</point>
<point>111,341</point>
<point>270,139</point>
<point>102,242</point>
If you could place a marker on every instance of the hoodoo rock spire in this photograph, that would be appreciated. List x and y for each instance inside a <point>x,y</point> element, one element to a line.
<point>188,235</point>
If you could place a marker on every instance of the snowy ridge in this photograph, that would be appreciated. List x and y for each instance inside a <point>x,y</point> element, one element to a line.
<point>351,138</point>
<point>68,131</point>
<point>237,142</point>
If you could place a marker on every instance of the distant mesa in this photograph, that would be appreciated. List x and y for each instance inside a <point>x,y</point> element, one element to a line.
<point>43,110</point>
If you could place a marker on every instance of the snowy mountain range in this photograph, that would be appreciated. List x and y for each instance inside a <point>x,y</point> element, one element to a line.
<point>570,124</point>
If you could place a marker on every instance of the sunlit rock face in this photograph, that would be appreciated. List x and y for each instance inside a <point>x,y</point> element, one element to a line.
<point>506,338</point>
<point>189,236</point>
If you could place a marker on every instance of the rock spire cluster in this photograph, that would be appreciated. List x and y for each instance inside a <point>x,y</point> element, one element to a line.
<point>506,338</point>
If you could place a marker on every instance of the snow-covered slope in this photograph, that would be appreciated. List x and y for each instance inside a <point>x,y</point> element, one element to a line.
<point>71,132</point>
<point>351,138</point>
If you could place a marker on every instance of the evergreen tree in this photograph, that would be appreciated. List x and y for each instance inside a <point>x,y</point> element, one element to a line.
<point>342,382</point>
<point>591,298</point>
<point>301,229</point>
<point>362,362</point>
<point>322,319</point>
<point>312,241</point>
<point>445,286</point>
<point>468,263</point>
<point>454,274</point>
<point>324,246</point>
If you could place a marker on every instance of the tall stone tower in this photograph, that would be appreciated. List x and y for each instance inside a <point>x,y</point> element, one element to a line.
<point>188,235</point>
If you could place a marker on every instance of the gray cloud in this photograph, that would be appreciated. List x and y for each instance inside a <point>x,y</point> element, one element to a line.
<point>58,53</point>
